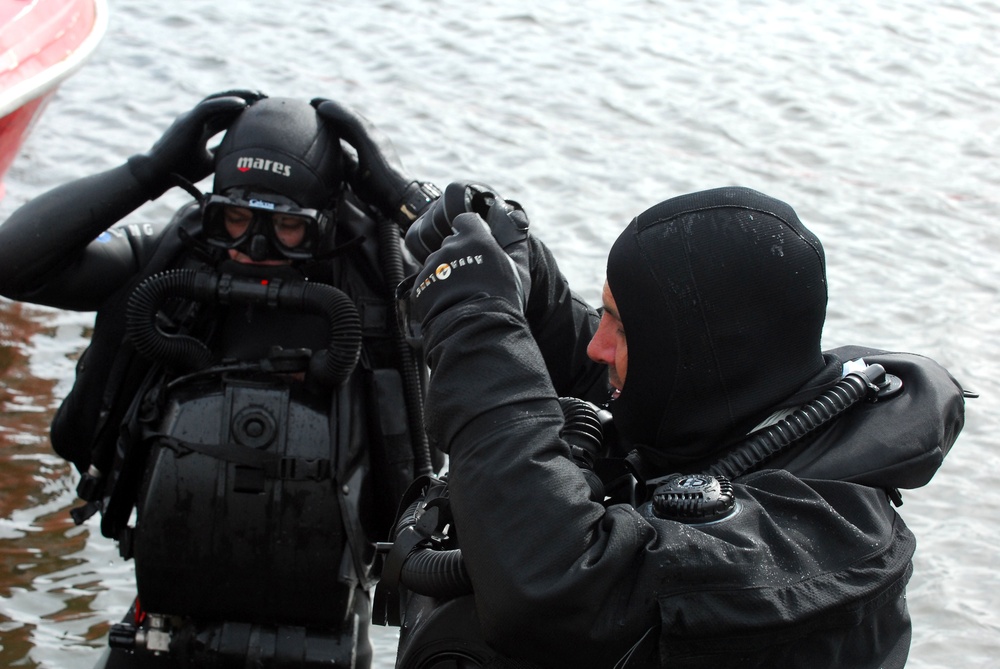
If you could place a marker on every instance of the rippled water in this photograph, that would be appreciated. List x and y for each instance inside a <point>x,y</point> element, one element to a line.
<point>877,121</point>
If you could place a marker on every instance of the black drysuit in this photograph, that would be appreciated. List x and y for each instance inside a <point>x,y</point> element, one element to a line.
<point>811,570</point>
<point>56,251</point>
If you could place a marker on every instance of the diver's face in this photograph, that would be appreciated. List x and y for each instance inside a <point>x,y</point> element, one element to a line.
<point>289,230</point>
<point>608,346</point>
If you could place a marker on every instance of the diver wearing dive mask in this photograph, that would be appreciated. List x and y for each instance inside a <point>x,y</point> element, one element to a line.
<point>262,227</point>
<point>246,307</point>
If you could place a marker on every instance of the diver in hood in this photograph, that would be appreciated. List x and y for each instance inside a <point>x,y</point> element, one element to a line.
<point>761,530</point>
<point>723,296</point>
<point>246,396</point>
<point>279,176</point>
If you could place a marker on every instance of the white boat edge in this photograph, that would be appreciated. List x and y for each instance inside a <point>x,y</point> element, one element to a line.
<point>29,89</point>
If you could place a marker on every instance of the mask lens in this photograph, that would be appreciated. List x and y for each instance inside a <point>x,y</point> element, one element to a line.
<point>291,231</point>
<point>294,232</point>
<point>236,221</point>
<point>227,225</point>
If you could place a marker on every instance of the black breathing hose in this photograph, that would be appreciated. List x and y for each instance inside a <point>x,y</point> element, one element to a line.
<point>381,180</point>
<point>142,328</point>
<point>582,429</point>
<point>426,571</point>
<point>391,256</point>
<point>442,573</point>
<point>764,444</point>
<point>329,367</point>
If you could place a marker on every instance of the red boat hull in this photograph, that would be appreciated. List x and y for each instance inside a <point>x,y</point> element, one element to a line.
<point>41,43</point>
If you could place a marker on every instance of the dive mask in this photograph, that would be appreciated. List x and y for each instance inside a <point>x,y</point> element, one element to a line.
<point>264,226</point>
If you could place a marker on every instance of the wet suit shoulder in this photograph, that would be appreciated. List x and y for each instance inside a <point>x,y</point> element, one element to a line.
<point>57,249</point>
<point>898,442</point>
<point>560,580</point>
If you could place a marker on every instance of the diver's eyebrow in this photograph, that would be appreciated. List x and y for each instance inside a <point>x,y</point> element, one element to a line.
<point>612,312</point>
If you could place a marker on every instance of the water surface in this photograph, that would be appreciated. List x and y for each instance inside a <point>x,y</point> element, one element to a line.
<point>877,121</point>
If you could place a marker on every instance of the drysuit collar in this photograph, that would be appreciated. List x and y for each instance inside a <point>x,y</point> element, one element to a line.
<point>722,295</point>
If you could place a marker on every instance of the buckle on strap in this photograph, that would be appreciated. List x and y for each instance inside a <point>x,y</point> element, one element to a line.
<point>299,469</point>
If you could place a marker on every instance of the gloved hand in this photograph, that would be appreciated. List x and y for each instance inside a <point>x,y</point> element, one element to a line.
<point>509,225</point>
<point>434,224</point>
<point>469,262</point>
<point>506,220</point>
<point>381,180</point>
<point>183,147</point>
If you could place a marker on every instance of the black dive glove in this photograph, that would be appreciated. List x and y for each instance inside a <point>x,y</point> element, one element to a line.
<point>380,180</point>
<point>183,149</point>
<point>506,220</point>
<point>470,262</point>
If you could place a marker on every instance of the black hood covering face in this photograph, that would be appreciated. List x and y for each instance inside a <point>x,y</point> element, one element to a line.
<point>722,295</point>
<point>281,145</point>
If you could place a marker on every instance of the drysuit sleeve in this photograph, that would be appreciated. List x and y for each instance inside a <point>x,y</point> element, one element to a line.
<point>563,324</point>
<point>549,566</point>
<point>57,250</point>
<point>560,580</point>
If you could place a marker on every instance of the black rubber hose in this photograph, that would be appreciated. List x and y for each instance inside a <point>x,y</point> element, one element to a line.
<point>585,435</point>
<point>328,367</point>
<point>582,429</point>
<point>439,574</point>
<point>382,181</point>
<point>175,350</point>
<point>426,571</point>
<point>767,443</point>
<point>391,256</point>
<point>442,573</point>
<point>332,366</point>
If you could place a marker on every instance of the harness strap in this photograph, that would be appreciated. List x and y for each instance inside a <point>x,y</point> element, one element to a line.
<point>272,465</point>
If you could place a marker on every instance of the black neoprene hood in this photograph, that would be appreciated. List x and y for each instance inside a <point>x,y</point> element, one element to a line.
<point>281,145</point>
<point>722,295</point>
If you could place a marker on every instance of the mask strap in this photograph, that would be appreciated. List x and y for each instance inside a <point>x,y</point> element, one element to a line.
<point>189,187</point>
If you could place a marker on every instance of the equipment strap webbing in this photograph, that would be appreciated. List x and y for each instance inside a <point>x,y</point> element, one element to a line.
<point>274,465</point>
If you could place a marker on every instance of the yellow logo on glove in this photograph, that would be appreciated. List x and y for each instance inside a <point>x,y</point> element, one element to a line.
<point>444,270</point>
